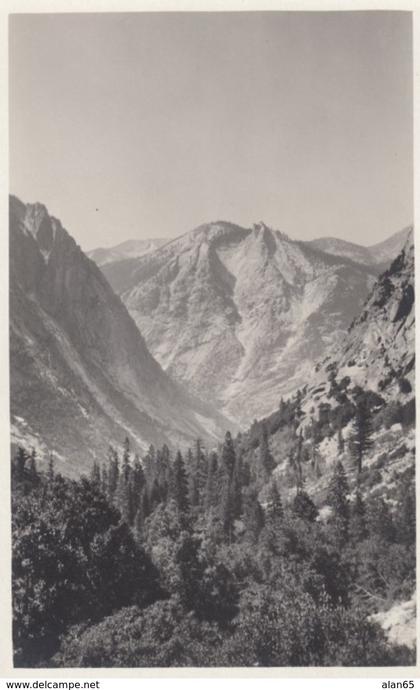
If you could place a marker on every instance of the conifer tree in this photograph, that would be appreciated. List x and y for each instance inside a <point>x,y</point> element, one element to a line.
<point>104,480</point>
<point>298,406</point>
<point>315,441</point>
<point>113,473</point>
<point>228,455</point>
<point>19,464</point>
<point>246,473</point>
<point>227,507</point>
<point>149,464</point>
<point>236,487</point>
<point>337,498</point>
<point>33,471</point>
<point>95,474</point>
<point>201,465</point>
<point>253,515</point>
<point>361,439</point>
<point>211,492</point>
<point>340,439</point>
<point>145,503</point>
<point>299,460</point>
<point>179,484</point>
<point>274,506</point>
<point>192,479</point>
<point>138,481</point>
<point>164,471</point>
<point>125,469</point>
<point>228,487</point>
<point>138,526</point>
<point>266,460</point>
<point>51,466</point>
<point>155,496</point>
<point>124,499</point>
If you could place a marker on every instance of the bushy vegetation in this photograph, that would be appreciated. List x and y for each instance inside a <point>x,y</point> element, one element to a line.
<point>205,561</point>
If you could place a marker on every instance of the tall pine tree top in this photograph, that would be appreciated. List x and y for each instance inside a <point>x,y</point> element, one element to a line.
<point>179,484</point>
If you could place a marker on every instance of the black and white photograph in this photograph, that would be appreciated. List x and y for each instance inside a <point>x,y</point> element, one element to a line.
<point>212,339</point>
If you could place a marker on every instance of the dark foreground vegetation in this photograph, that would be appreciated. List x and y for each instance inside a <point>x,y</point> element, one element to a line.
<point>203,561</point>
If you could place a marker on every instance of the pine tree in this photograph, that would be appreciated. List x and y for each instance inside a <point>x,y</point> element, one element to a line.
<point>253,515</point>
<point>138,526</point>
<point>138,482</point>
<point>211,493</point>
<point>192,479</point>
<point>155,496</point>
<point>51,465</point>
<point>33,471</point>
<point>298,406</point>
<point>298,457</point>
<point>179,484</point>
<point>149,465</point>
<point>274,506</point>
<point>145,503</point>
<point>113,473</point>
<point>95,474</point>
<point>125,469</point>
<point>226,507</point>
<point>228,487</point>
<point>228,455</point>
<point>361,439</point>
<point>266,460</point>
<point>340,439</point>
<point>337,498</point>
<point>246,473</point>
<point>197,472</point>
<point>236,488</point>
<point>124,499</point>
<point>19,464</point>
<point>315,441</point>
<point>104,480</point>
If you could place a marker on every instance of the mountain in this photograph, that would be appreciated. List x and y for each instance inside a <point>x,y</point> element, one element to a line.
<point>126,250</point>
<point>374,363</point>
<point>380,254</point>
<point>240,315</point>
<point>378,352</point>
<point>81,374</point>
<point>372,370</point>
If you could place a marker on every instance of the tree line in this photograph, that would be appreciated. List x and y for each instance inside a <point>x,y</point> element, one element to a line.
<point>204,560</point>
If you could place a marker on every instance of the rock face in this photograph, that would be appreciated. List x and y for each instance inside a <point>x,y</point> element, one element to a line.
<point>379,349</point>
<point>377,358</point>
<point>373,366</point>
<point>241,315</point>
<point>380,254</point>
<point>126,250</point>
<point>81,374</point>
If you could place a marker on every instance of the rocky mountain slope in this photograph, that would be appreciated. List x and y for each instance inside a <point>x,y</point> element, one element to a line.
<point>380,254</point>
<point>379,349</point>
<point>81,374</point>
<point>125,250</point>
<point>375,362</point>
<point>240,315</point>
<point>372,370</point>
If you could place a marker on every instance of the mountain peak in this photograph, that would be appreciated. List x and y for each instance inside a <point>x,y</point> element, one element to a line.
<point>76,348</point>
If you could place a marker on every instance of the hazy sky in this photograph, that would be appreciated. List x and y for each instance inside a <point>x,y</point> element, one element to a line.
<point>166,121</point>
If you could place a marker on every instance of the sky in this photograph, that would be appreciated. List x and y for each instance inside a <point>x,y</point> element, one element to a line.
<point>148,124</point>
